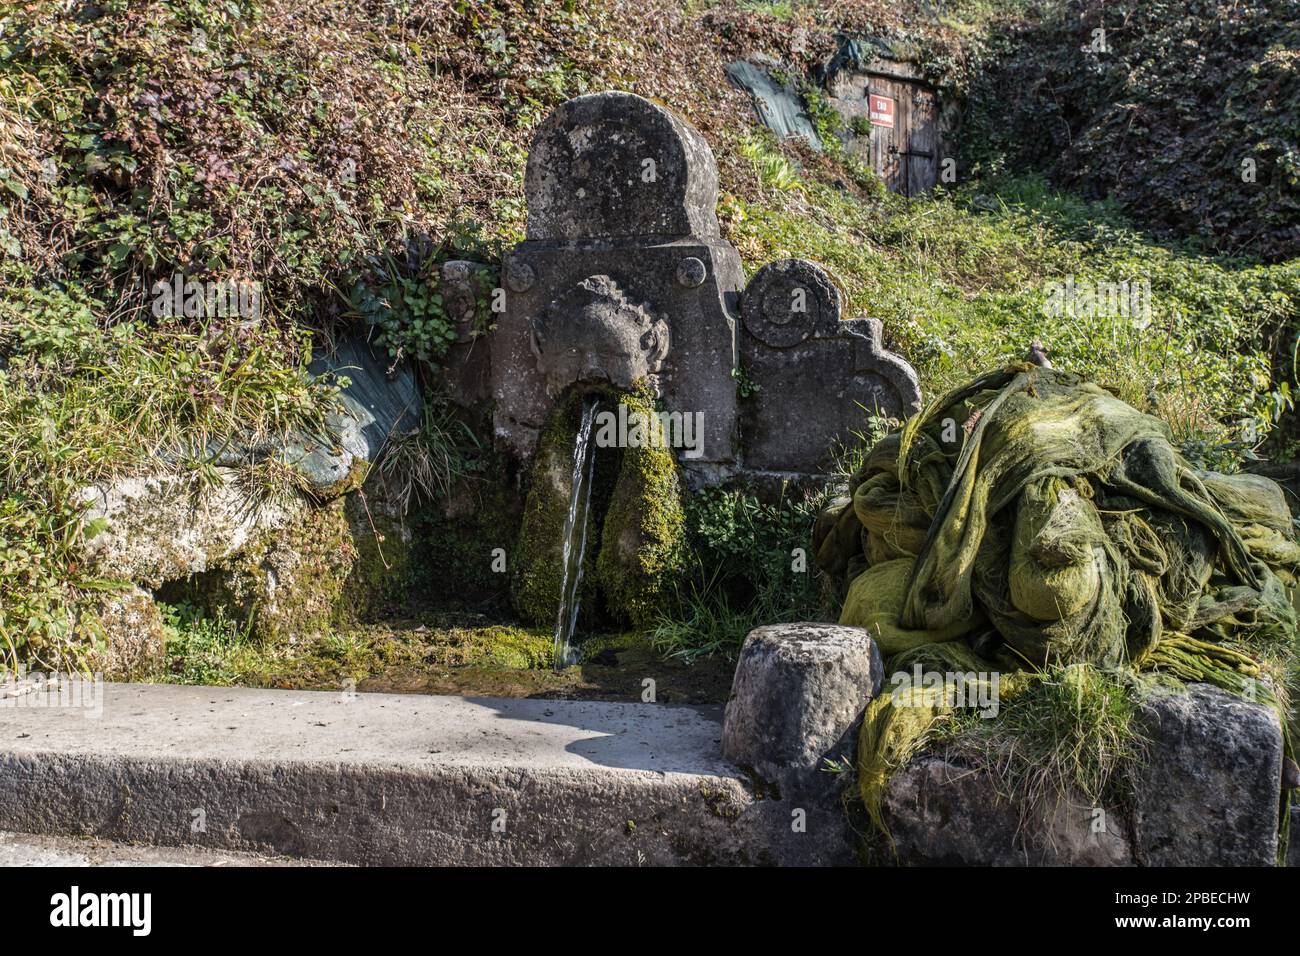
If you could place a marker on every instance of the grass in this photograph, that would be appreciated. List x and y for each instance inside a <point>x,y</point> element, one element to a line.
<point>702,622</point>
<point>82,403</point>
<point>1070,733</point>
<point>426,462</point>
<point>203,647</point>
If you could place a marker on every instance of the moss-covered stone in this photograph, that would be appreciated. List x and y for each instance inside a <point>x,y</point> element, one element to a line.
<point>636,526</point>
<point>166,527</point>
<point>289,585</point>
<point>538,558</point>
<point>382,539</point>
<point>128,639</point>
<point>463,544</point>
<point>355,477</point>
<point>643,538</point>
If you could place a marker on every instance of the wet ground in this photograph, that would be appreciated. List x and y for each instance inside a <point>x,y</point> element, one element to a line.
<point>617,673</point>
<point>475,655</point>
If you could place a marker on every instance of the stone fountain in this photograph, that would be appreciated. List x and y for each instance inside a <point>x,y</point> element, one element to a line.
<point>624,276</point>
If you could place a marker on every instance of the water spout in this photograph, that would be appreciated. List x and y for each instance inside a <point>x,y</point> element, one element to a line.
<point>575,537</point>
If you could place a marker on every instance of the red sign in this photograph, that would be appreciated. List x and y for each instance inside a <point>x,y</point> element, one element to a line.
<point>882,111</point>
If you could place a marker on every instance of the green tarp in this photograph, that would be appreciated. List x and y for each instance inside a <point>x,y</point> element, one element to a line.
<point>1032,518</point>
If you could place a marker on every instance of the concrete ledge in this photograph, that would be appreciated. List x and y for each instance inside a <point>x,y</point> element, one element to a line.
<point>398,779</point>
<point>28,850</point>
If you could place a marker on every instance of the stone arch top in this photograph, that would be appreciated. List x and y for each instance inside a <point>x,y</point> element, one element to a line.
<point>612,165</point>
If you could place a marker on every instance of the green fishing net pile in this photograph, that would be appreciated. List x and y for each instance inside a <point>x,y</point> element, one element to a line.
<point>1031,519</point>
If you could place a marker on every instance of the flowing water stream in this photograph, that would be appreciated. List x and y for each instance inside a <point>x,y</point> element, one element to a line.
<point>575,537</point>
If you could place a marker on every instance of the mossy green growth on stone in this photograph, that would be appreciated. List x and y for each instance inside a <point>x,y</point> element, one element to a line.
<point>538,560</point>
<point>289,584</point>
<point>382,542</point>
<point>128,636</point>
<point>505,646</point>
<point>643,539</point>
<point>636,525</point>
<point>355,477</point>
<point>462,543</point>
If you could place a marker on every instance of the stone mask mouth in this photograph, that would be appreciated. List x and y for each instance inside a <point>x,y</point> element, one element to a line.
<point>595,333</point>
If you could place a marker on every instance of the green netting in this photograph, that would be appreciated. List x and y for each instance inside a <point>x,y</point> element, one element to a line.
<point>1031,518</point>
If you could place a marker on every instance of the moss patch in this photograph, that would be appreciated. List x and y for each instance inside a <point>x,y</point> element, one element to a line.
<point>382,544</point>
<point>461,654</point>
<point>538,559</point>
<point>129,636</point>
<point>288,585</point>
<point>636,526</point>
<point>642,541</point>
<point>463,546</point>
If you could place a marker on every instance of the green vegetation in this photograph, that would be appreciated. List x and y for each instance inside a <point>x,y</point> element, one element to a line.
<point>1070,731</point>
<point>642,538</point>
<point>635,523</point>
<point>339,153</point>
<point>537,565</point>
<point>208,647</point>
<point>290,585</point>
<point>430,460</point>
<point>748,563</point>
<point>1183,113</point>
<point>403,303</point>
<point>81,402</point>
<point>433,652</point>
<point>205,648</point>
<point>964,283</point>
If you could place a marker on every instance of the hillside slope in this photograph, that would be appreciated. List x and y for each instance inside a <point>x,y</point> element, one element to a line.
<point>335,152</point>
<point>1188,113</point>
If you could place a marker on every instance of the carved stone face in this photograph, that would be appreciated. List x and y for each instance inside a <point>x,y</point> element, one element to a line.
<point>593,333</point>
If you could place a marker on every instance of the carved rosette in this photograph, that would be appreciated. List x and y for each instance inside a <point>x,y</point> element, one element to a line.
<point>788,301</point>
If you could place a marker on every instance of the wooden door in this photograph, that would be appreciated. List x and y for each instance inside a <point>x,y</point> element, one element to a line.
<point>922,150</point>
<point>888,105</point>
<point>904,134</point>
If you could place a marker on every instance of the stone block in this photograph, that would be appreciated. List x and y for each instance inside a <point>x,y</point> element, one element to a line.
<point>817,377</point>
<point>622,276</point>
<point>1206,795</point>
<point>797,700</point>
<point>1209,795</point>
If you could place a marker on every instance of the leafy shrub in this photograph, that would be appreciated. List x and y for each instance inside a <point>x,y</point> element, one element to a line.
<point>1165,115</point>
<point>407,313</point>
<point>749,565</point>
<point>401,299</point>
